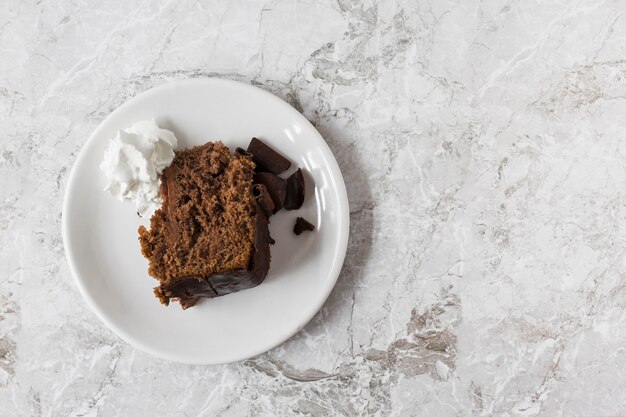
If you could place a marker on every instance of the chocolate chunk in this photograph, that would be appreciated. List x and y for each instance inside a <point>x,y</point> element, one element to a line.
<point>264,199</point>
<point>271,240</point>
<point>295,191</point>
<point>242,152</point>
<point>302,226</point>
<point>266,158</point>
<point>276,187</point>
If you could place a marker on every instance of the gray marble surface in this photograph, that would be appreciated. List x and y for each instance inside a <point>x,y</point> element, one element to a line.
<point>482,144</point>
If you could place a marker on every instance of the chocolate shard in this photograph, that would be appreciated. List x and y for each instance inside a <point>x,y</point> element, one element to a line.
<point>302,226</point>
<point>276,187</point>
<point>266,158</point>
<point>272,241</point>
<point>242,152</point>
<point>295,191</point>
<point>264,199</point>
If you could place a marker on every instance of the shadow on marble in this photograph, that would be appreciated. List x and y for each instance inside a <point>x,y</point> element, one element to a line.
<point>361,229</point>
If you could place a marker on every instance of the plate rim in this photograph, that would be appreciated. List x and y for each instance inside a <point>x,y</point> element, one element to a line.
<point>338,258</point>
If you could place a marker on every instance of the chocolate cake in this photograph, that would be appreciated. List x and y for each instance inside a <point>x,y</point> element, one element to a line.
<point>210,237</point>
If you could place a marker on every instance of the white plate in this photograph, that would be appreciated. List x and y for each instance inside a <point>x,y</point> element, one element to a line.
<point>100,232</point>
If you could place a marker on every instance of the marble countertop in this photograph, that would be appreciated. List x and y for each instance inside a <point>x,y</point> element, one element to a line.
<point>482,144</point>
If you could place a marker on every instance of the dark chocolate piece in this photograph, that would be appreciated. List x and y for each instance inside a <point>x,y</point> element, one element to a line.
<point>272,241</point>
<point>242,152</point>
<point>302,225</point>
<point>275,185</point>
<point>266,158</point>
<point>264,199</point>
<point>295,191</point>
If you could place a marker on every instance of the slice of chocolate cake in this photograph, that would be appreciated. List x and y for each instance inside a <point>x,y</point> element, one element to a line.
<point>210,237</point>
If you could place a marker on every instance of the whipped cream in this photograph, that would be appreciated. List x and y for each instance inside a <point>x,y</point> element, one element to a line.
<point>133,162</point>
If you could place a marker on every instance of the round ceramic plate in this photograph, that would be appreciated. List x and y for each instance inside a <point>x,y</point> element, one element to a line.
<point>100,232</point>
